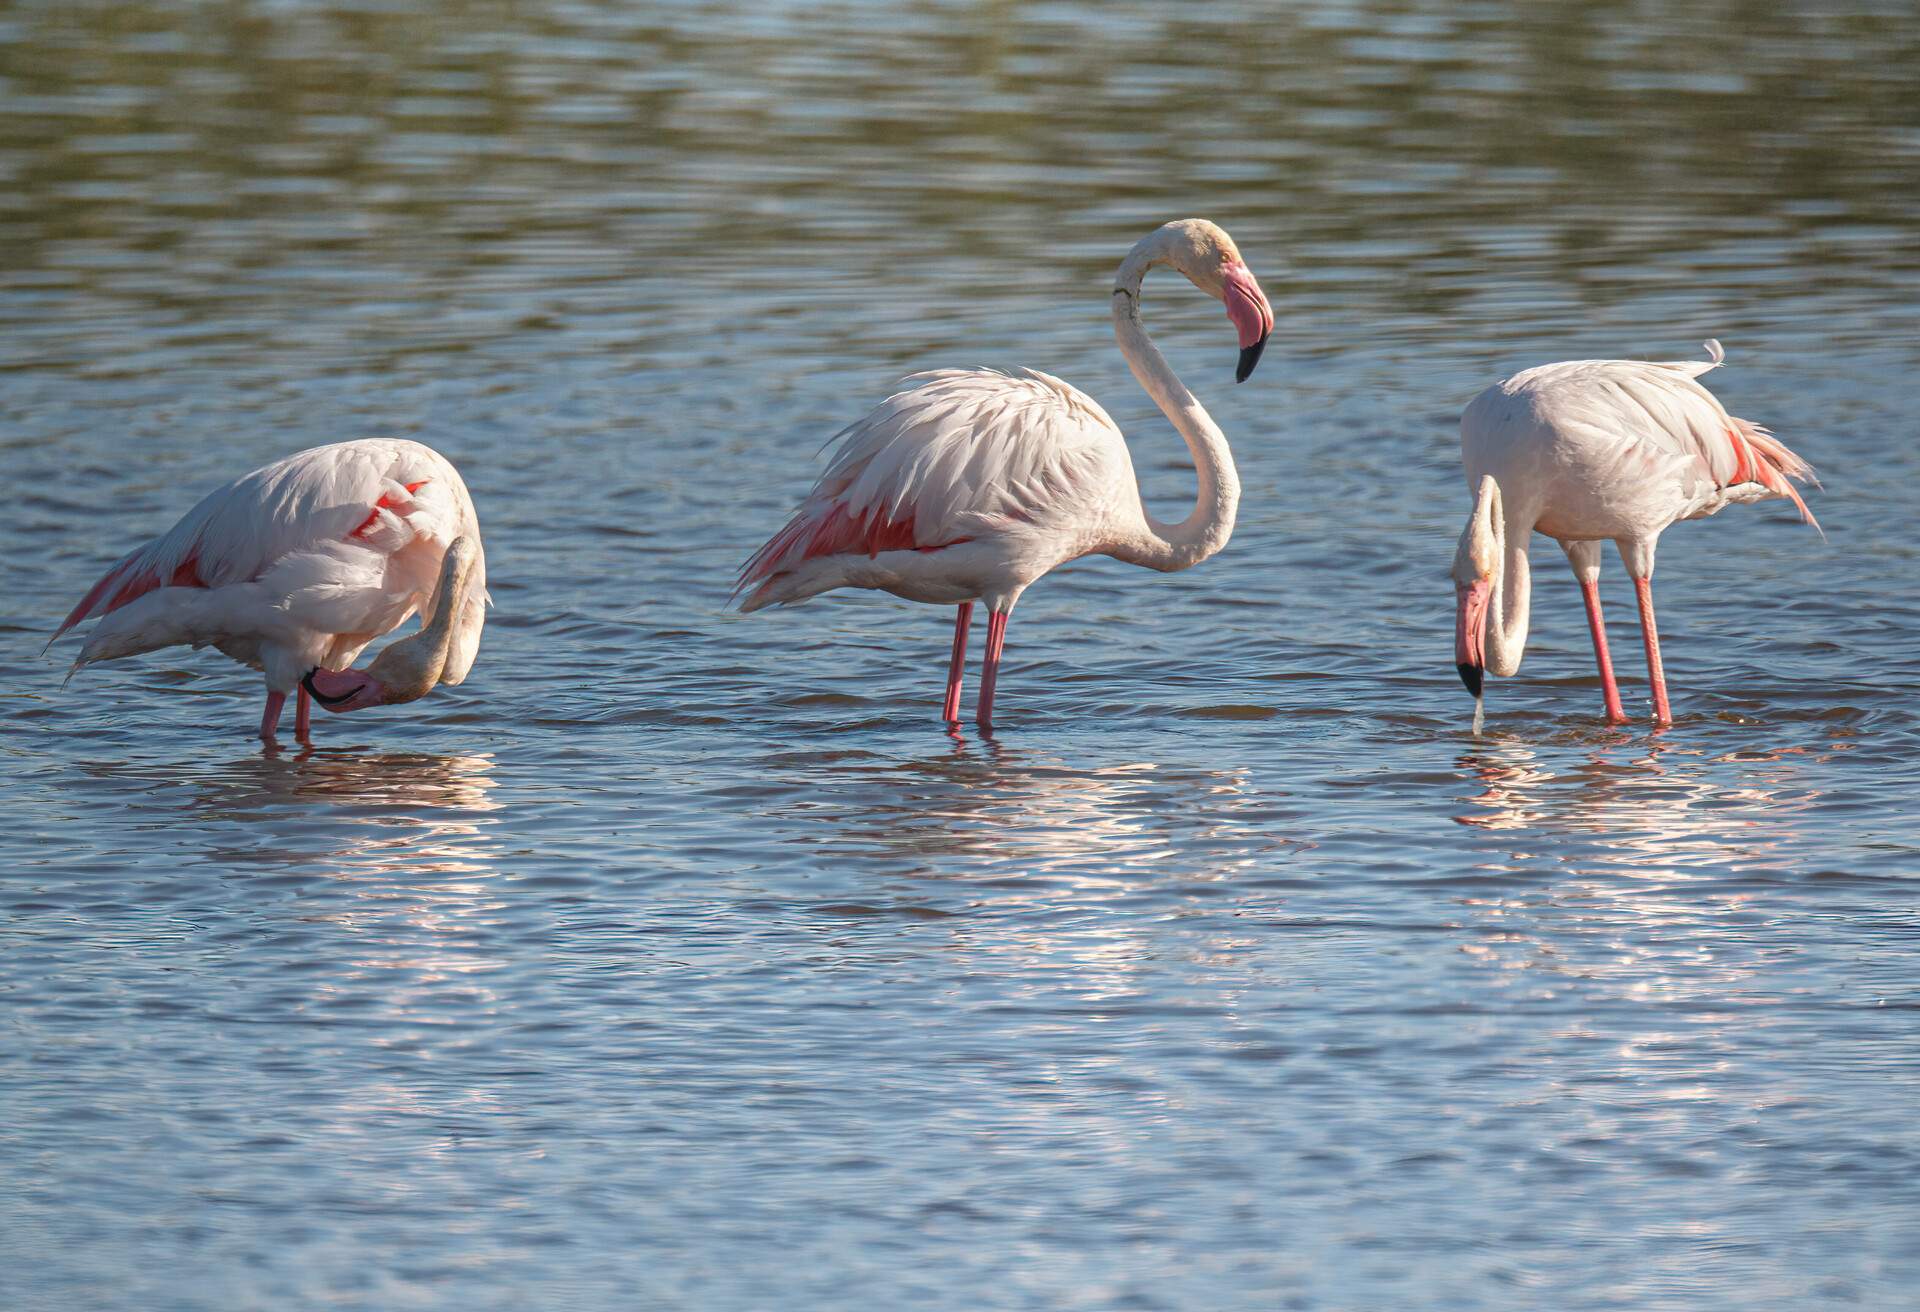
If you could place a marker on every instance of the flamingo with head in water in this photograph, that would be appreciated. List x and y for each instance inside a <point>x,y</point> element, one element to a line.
<point>1582,452</point>
<point>294,568</point>
<point>972,483</point>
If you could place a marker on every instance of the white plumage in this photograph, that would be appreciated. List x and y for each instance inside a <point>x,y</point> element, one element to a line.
<point>962,455</point>
<point>967,449</point>
<point>970,484</point>
<point>1622,445</point>
<point>1586,451</point>
<point>297,566</point>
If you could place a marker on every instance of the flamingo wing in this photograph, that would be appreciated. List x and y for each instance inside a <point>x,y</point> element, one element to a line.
<point>959,453</point>
<point>1672,418</point>
<point>380,494</point>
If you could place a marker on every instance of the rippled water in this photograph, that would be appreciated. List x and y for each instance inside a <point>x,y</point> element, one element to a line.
<point>679,959</point>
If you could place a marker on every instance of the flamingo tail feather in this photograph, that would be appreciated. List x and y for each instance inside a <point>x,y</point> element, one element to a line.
<point>1777,467</point>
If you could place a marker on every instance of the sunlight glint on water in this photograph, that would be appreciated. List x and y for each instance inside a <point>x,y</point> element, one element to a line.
<point>679,959</point>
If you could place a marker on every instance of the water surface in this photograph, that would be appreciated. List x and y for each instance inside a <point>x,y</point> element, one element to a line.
<point>679,959</point>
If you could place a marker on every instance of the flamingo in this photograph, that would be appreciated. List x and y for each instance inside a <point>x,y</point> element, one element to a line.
<point>972,483</point>
<point>1588,450</point>
<point>294,568</point>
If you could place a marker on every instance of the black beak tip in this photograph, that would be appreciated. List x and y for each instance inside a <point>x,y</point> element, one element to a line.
<point>1474,676</point>
<point>1249,357</point>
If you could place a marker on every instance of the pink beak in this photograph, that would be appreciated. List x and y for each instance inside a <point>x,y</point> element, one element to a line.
<point>343,690</point>
<point>1252,316</point>
<point>1470,633</point>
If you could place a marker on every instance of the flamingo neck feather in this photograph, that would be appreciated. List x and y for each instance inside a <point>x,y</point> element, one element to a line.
<point>409,669</point>
<point>1208,526</point>
<point>1512,581</point>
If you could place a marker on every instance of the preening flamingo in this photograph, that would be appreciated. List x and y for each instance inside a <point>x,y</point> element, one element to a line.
<point>294,568</point>
<point>972,483</point>
<point>1589,450</point>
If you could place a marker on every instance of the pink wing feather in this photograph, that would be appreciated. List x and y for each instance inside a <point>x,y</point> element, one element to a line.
<point>959,453</point>
<point>238,531</point>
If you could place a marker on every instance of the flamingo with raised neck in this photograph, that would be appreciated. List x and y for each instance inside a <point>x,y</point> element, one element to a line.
<point>971,484</point>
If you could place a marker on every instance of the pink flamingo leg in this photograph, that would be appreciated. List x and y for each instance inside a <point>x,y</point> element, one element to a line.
<point>1656,675</point>
<point>990,671</point>
<point>303,717</point>
<point>1590,589</point>
<point>270,718</point>
<point>961,622</point>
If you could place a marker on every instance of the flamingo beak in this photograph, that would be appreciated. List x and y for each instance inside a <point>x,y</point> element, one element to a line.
<point>1469,633</point>
<point>342,690</point>
<point>1249,357</point>
<point>1252,316</point>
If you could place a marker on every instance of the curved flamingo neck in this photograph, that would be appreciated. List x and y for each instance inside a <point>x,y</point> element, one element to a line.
<point>409,669</point>
<point>1206,529</point>
<point>1512,584</point>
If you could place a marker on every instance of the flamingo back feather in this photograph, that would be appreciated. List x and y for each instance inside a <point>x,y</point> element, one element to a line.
<point>959,453</point>
<point>379,494</point>
<point>1662,406</point>
<point>1760,457</point>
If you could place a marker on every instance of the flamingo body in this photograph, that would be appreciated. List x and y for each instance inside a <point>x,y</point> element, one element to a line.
<point>967,486</point>
<point>1583,452</point>
<point>1612,449</point>
<point>970,484</point>
<point>294,568</point>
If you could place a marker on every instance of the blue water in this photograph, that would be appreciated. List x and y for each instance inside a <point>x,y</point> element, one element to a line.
<point>681,959</point>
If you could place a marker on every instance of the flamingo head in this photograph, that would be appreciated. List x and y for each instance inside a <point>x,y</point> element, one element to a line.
<point>1475,562</point>
<point>407,670</point>
<point>1207,256</point>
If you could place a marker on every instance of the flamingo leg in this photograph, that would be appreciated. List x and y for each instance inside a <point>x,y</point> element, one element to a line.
<point>303,717</point>
<point>990,671</point>
<point>1590,589</point>
<point>962,620</point>
<point>270,718</point>
<point>1656,675</point>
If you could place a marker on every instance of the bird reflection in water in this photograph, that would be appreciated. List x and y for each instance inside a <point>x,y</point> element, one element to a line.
<point>414,878</point>
<point>437,785</point>
<point>1627,874</point>
<point>1072,884</point>
<point>385,866</point>
<point>420,812</point>
<point>1652,797</point>
<point>1635,854</point>
<point>1010,809</point>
